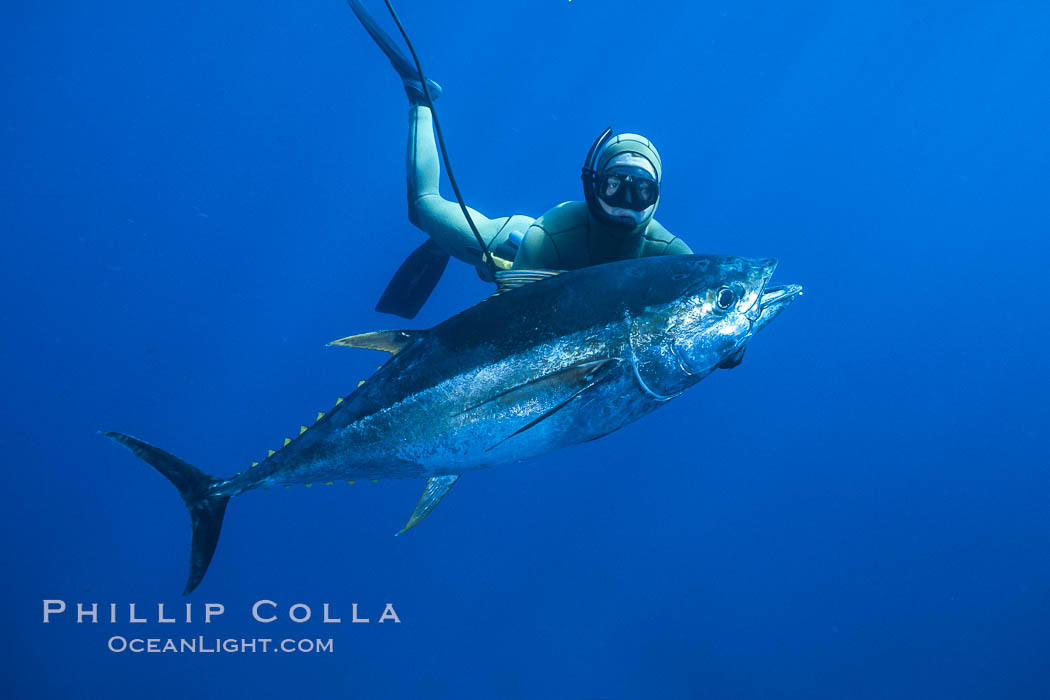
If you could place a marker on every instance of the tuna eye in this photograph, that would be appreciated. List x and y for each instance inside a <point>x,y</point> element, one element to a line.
<point>725,298</point>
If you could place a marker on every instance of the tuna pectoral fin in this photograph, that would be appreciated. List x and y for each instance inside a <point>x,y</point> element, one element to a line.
<point>435,490</point>
<point>567,383</point>
<point>206,510</point>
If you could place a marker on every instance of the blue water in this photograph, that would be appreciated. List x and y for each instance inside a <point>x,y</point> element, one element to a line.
<point>196,197</point>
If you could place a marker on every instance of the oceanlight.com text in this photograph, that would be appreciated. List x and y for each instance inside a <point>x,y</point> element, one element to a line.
<point>217,645</point>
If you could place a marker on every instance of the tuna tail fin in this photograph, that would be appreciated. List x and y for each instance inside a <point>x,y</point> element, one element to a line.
<point>206,509</point>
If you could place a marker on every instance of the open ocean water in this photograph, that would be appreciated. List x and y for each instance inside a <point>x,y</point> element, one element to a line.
<point>196,197</point>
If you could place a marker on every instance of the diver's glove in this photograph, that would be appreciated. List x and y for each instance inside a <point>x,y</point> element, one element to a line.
<point>414,90</point>
<point>734,360</point>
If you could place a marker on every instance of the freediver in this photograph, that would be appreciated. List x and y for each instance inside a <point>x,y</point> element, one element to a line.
<point>615,222</point>
<point>621,183</point>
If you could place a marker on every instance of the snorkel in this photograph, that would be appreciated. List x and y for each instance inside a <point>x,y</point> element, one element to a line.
<point>589,175</point>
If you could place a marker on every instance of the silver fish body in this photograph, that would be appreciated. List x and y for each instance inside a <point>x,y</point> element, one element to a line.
<point>550,361</point>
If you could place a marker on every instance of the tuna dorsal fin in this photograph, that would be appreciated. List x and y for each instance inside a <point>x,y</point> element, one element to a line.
<point>512,279</point>
<point>392,342</point>
<point>433,492</point>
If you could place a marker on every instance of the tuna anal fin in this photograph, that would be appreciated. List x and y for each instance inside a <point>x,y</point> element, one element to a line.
<point>435,490</point>
<point>392,342</point>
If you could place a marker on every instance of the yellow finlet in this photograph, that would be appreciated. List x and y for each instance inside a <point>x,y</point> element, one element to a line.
<point>320,415</point>
<point>270,453</point>
<point>374,481</point>
<point>287,441</point>
<point>360,383</point>
<point>339,401</point>
<point>328,483</point>
<point>302,429</point>
<point>287,485</point>
<point>309,485</point>
<point>350,482</point>
<point>255,464</point>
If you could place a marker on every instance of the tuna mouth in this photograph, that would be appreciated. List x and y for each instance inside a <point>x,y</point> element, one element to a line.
<point>781,294</point>
<point>772,302</point>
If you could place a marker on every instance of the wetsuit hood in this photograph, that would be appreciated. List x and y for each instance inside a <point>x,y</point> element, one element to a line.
<point>610,149</point>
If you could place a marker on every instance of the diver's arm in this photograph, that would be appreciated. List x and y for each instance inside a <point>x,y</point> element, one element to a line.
<point>537,251</point>
<point>441,219</point>
<point>678,247</point>
<point>660,241</point>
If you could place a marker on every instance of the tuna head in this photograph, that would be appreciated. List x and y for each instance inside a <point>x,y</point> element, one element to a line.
<point>723,302</point>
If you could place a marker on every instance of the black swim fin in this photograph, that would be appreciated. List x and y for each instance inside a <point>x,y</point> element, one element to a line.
<point>414,281</point>
<point>402,65</point>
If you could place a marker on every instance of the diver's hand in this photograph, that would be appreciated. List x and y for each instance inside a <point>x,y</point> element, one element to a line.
<point>734,360</point>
